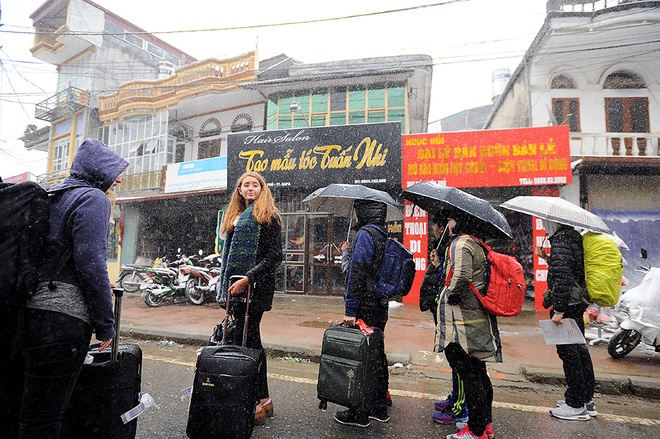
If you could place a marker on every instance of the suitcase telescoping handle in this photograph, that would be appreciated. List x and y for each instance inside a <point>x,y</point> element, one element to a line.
<point>114,348</point>
<point>233,279</point>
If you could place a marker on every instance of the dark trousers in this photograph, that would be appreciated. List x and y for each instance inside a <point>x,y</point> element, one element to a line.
<point>457,395</point>
<point>578,368</point>
<point>376,317</point>
<point>11,375</point>
<point>253,342</point>
<point>54,347</point>
<point>478,388</point>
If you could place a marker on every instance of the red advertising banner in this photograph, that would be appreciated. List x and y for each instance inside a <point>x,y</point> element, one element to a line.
<point>415,237</point>
<point>540,264</point>
<point>511,157</point>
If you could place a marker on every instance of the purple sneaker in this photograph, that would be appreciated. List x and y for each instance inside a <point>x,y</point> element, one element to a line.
<point>442,405</point>
<point>448,417</point>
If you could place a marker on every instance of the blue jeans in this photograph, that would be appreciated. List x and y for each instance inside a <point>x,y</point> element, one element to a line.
<point>54,347</point>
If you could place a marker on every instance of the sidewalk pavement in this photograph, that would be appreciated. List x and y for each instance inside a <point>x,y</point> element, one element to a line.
<point>296,324</point>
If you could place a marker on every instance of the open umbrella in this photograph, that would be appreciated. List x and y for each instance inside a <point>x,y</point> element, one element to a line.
<point>433,197</point>
<point>558,210</point>
<point>338,199</point>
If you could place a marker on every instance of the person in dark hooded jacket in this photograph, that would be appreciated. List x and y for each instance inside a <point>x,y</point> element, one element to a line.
<point>567,282</point>
<point>74,300</point>
<point>361,303</point>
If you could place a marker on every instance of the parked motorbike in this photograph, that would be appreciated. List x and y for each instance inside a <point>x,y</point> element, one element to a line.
<point>164,282</point>
<point>131,277</point>
<point>202,278</point>
<point>640,315</point>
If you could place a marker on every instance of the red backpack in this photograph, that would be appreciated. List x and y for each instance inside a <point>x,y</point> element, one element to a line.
<point>505,283</point>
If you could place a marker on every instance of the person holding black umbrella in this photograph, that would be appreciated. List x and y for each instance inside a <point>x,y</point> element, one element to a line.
<point>361,303</point>
<point>453,409</point>
<point>466,331</point>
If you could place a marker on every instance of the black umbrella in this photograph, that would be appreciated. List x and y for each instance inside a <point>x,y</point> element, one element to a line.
<point>433,198</point>
<point>338,199</point>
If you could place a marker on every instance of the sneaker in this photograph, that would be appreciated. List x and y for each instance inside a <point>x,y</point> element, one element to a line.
<point>466,433</point>
<point>442,405</point>
<point>379,415</point>
<point>569,413</point>
<point>591,407</point>
<point>348,417</point>
<point>490,434</point>
<point>448,417</point>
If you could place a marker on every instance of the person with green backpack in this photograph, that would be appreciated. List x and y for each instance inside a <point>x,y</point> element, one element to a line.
<point>567,283</point>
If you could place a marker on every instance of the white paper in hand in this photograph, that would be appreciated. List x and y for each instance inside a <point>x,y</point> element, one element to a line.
<point>566,333</point>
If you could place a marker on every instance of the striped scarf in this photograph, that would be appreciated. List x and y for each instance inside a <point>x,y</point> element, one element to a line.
<point>240,250</point>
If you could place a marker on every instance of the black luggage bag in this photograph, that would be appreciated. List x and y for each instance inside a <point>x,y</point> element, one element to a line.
<point>106,389</point>
<point>348,371</point>
<point>224,395</point>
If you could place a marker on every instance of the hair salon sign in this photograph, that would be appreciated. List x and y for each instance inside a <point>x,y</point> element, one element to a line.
<point>358,154</point>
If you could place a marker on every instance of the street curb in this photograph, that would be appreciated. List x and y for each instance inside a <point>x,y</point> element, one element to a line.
<point>273,350</point>
<point>642,387</point>
<point>608,384</point>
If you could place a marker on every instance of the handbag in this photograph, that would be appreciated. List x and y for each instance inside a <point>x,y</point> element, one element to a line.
<point>217,338</point>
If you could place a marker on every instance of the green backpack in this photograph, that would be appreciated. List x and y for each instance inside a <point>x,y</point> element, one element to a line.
<point>603,268</point>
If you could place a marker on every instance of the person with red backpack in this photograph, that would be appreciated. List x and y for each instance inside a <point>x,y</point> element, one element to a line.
<point>466,331</point>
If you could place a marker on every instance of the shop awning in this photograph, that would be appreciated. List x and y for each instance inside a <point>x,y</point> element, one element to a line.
<point>620,165</point>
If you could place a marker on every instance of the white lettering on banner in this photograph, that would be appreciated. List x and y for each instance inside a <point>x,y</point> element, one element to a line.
<point>415,246</point>
<point>420,264</point>
<point>413,211</point>
<point>541,275</point>
<point>539,224</point>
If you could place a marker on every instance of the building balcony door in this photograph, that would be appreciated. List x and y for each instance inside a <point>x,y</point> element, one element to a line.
<point>627,115</point>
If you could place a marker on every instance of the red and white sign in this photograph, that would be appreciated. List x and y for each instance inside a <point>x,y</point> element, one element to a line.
<point>512,157</point>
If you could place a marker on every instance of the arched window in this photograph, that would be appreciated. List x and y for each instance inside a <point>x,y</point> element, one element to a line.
<point>242,122</point>
<point>562,81</point>
<point>622,79</point>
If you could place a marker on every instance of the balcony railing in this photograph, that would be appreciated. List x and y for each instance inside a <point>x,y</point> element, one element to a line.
<point>51,178</point>
<point>131,182</point>
<point>584,5</point>
<point>210,73</point>
<point>62,104</point>
<point>615,144</point>
<point>136,182</point>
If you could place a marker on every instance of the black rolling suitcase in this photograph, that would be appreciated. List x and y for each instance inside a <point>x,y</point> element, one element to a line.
<point>348,371</point>
<point>224,394</point>
<point>106,389</point>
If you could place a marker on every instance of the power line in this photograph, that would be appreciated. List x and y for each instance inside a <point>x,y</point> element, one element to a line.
<point>254,26</point>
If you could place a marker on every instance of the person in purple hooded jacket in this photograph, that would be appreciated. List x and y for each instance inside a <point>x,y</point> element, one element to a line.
<point>72,300</point>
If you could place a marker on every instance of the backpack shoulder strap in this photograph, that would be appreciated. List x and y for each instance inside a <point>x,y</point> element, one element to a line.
<point>379,253</point>
<point>485,246</point>
<point>61,259</point>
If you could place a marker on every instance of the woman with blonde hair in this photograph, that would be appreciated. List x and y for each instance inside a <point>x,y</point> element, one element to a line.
<point>252,249</point>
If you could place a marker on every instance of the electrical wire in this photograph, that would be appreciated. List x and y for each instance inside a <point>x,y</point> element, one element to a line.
<point>256,26</point>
